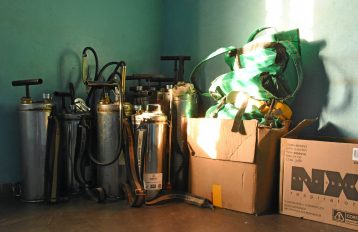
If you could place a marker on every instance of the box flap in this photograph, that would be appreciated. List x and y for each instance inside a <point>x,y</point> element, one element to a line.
<point>296,130</point>
<point>212,138</point>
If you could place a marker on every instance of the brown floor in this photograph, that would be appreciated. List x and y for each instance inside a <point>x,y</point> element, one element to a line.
<point>84,215</point>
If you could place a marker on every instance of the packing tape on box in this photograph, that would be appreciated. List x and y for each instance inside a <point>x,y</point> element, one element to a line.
<point>216,192</point>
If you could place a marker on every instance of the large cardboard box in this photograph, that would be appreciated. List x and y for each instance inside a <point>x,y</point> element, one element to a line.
<point>319,179</point>
<point>236,171</point>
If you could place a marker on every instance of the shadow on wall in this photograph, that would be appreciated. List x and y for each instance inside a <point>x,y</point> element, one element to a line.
<point>69,70</point>
<point>312,97</point>
<point>338,117</point>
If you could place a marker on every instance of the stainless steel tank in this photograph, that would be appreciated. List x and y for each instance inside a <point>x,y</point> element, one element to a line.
<point>108,177</point>
<point>179,102</point>
<point>155,126</point>
<point>184,106</point>
<point>33,130</point>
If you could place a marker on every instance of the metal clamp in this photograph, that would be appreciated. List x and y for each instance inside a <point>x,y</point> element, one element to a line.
<point>139,192</point>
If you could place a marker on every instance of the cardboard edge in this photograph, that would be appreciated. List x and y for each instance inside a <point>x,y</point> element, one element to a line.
<point>300,126</point>
<point>282,162</point>
<point>253,158</point>
<point>276,132</point>
<point>255,202</point>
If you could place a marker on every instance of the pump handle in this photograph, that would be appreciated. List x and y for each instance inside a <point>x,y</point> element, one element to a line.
<point>98,84</point>
<point>27,82</point>
<point>61,94</point>
<point>70,94</point>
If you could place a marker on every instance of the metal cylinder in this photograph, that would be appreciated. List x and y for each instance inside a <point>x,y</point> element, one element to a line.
<point>179,103</point>
<point>33,133</point>
<point>108,177</point>
<point>154,122</point>
<point>69,126</point>
<point>184,106</point>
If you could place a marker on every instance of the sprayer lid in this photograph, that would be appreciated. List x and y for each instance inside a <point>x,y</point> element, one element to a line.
<point>153,113</point>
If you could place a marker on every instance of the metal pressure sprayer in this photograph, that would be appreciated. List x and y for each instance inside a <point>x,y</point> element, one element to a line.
<point>109,116</point>
<point>151,139</point>
<point>70,119</point>
<point>33,116</point>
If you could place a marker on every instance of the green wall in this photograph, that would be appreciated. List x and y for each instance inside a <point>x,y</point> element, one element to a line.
<point>41,38</point>
<point>45,39</point>
<point>329,49</point>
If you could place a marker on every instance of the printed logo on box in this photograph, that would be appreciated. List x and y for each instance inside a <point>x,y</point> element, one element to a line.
<point>344,217</point>
<point>316,184</point>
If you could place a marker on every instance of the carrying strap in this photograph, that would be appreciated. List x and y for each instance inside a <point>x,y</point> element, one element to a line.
<point>216,53</point>
<point>255,33</point>
<point>134,188</point>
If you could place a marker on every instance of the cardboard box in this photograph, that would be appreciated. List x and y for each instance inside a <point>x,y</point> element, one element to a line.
<point>319,179</point>
<point>235,171</point>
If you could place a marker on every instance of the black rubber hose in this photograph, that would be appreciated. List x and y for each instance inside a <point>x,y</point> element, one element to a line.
<point>81,143</point>
<point>72,93</point>
<point>84,53</point>
<point>99,163</point>
<point>96,76</point>
<point>118,64</point>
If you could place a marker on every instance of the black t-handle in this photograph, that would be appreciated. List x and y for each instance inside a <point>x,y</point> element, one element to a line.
<point>62,95</point>
<point>98,84</point>
<point>27,83</point>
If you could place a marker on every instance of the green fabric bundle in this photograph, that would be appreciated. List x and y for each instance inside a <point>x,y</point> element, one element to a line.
<point>257,69</point>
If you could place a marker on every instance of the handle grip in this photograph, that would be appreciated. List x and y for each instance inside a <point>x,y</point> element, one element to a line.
<point>61,94</point>
<point>26,82</point>
<point>97,84</point>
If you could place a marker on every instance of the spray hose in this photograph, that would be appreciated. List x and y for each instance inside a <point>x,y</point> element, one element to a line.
<point>85,64</point>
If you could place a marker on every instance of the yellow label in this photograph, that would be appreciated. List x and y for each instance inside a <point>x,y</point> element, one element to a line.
<point>216,191</point>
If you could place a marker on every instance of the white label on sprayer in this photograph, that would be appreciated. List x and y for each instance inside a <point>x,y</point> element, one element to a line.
<point>355,154</point>
<point>153,181</point>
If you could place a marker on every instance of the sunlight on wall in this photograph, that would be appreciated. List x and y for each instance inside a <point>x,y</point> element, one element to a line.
<point>301,15</point>
<point>274,13</point>
<point>207,136</point>
<point>291,14</point>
